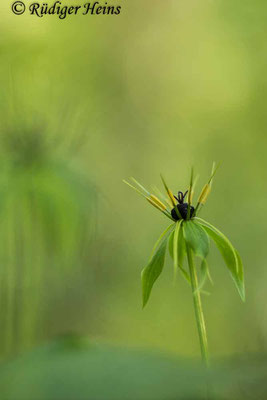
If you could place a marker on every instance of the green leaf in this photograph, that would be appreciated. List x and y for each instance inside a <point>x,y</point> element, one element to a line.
<point>196,237</point>
<point>229,254</point>
<point>175,246</point>
<point>153,270</point>
<point>165,232</point>
<point>171,244</point>
<point>181,247</point>
<point>204,274</point>
<point>181,250</point>
<point>240,281</point>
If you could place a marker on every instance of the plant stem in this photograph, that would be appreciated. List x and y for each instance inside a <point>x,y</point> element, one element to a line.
<point>198,308</point>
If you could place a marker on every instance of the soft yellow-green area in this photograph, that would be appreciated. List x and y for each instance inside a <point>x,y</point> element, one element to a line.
<point>89,101</point>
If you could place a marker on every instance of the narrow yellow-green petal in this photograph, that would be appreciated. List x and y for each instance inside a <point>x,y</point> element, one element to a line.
<point>134,188</point>
<point>141,187</point>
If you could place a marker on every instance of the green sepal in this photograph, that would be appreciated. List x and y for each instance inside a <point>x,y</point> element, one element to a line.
<point>153,270</point>
<point>229,254</point>
<point>240,281</point>
<point>196,238</point>
<point>180,251</point>
<point>167,232</point>
<point>204,275</point>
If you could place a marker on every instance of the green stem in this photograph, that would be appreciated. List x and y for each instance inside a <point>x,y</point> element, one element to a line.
<point>198,308</point>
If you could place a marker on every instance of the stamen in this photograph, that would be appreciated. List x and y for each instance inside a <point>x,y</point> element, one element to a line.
<point>171,196</point>
<point>190,197</point>
<point>158,202</point>
<point>154,204</point>
<point>161,196</point>
<point>204,194</point>
<point>169,192</point>
<point>213,172</point>
<point>190,193</point>
<point>164,211</point>
<point>206,189</point>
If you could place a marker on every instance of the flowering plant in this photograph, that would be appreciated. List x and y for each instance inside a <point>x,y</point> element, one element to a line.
<point>188,235</point>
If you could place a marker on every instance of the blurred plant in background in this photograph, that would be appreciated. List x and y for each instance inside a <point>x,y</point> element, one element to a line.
<point>47,209</point>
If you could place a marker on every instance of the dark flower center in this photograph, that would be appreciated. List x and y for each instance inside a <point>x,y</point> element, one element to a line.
<point>182,207</point>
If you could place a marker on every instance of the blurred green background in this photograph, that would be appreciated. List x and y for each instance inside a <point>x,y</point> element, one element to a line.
<point>88,101</point>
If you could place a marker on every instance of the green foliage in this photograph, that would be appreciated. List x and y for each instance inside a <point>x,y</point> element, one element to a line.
<point>204,275</point>
<point>239,279</point>
<point>229,254</point>
<point>196,238</point>
<point>175,246</point>
<point>195,234</point>
<point>165,232</point>
<point>180,248</point>
<point>153,270</point>
<point>191,235</point>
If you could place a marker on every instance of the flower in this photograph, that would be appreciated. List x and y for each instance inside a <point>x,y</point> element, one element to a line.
<point>187,232</point>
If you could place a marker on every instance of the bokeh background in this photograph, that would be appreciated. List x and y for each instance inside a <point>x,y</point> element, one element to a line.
<point>89,101</point>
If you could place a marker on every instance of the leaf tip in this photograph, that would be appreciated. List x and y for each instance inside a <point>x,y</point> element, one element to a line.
<point>144,304</point>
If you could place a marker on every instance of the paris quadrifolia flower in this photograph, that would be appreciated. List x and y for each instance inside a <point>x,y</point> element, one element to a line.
<point>188,235</point>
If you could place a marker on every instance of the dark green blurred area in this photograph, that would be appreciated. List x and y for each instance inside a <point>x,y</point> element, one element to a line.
<point>88,101</point>
<point>74,368</point>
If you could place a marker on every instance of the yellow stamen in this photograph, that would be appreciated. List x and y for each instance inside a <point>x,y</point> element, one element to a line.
<point>204,194</point>
<point>213,172</point>
<point>190,197</point>
<point>190,187</point>
<point>171,196</point>
<point>163,198</point>
<point>191,194</point>
<point>158,202</point>
<point>155,204</point>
